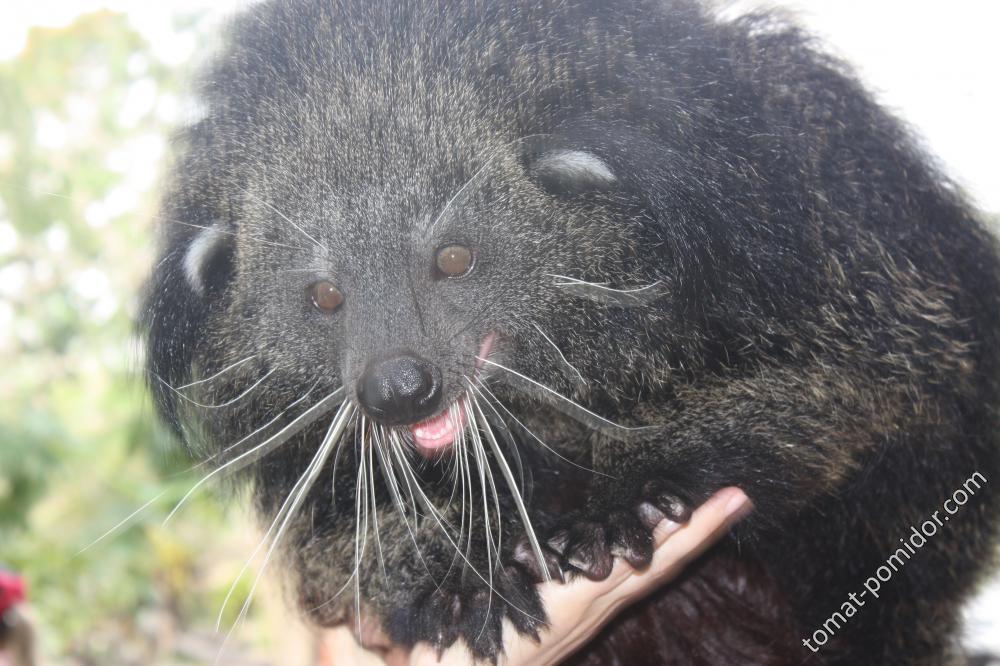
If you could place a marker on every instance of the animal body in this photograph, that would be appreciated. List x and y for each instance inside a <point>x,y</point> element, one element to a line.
<point>476,292</point>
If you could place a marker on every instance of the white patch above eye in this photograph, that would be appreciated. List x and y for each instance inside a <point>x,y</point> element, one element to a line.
<point>576,169</point>
<point>200,253</point>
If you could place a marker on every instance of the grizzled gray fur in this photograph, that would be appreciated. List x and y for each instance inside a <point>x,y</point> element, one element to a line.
<point>410,242</point>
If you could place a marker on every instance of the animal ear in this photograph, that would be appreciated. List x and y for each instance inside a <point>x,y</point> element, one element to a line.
<point>208,260</point>
<point>570,172</point>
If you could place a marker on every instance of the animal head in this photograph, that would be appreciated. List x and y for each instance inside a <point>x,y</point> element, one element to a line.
<point>399,228</point>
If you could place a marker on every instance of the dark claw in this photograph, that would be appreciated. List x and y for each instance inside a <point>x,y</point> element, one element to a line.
<point>588,550</point>
<point>524,555</point>
<point>671,504</point>
<point>675,508</point>
<point>525,610</point>
<point>649,514</point>
<point>590,539</point>
<point>631,541</point>
<point>558,541</point>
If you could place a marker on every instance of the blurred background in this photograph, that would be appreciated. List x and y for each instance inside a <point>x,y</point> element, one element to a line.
<point>89,91</point>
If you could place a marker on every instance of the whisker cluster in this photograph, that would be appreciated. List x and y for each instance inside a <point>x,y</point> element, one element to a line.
<point>387,466</point>
<point>570,407</point>
<point>288,509</point>
<point>227,403</point>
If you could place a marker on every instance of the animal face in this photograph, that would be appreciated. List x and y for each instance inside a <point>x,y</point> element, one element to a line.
<point>398,280</point>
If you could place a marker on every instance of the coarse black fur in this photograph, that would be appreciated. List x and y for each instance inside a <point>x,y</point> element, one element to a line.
<point>815,317</point>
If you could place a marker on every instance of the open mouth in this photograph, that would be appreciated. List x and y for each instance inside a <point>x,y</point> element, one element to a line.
<point>435,436</point>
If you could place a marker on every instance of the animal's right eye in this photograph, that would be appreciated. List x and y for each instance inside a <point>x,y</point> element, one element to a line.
<point>454,260</point>
<point>326,296</point>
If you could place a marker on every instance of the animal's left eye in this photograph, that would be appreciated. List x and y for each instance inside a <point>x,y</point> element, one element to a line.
<point>326,297</point>
<point>453,260</point>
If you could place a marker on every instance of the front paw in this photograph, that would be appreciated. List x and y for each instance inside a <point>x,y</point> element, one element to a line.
<point>470,607</point>
<point>616,525</point>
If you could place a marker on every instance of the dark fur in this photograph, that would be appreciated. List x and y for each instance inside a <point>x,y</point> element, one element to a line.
<point>827,335</point>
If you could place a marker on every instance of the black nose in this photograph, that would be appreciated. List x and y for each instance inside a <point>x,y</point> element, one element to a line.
<point>401,389</point>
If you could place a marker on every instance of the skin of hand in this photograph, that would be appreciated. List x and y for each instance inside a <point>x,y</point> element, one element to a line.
<point>576,610</point>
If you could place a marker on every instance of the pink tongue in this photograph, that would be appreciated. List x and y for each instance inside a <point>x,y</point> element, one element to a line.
<point>436,434</point>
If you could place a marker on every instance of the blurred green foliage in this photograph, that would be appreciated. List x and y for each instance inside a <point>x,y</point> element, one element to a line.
<point>84,112</point>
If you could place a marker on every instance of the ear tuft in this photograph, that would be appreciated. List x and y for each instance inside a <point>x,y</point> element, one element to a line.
<point>573,172</point>
<point>208,260</point>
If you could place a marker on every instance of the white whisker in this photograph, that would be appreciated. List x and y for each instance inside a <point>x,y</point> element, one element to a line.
<point>163,218</point>
<point>596,421</point>
<point>284,217</point>
<point>360,524</point>
<point>439,519</point>
<point>489,403</point>
<point>453,464</point>
<point>258,430</point>
<point>227,233</point>
<point>481,169</point>
<point>132,515</point>
<point>353,578</point>
<point>515,492</point>
<point>388,474</point>
<point>256,453</point>
<point>365,433</point>
<point>392,483</point>
<point>120,524</point>
<point>239,397</point>
<point>602,293</point>
<point>570,281</point>
<point>462,477</point>
<point>483,465</point>
<point>396,449</point>
<point>482,461</point>
<point>333,597</point>
<point>296,496</point>
<point>509,435</point>
<point>561,355</point>
<point>217,374</point>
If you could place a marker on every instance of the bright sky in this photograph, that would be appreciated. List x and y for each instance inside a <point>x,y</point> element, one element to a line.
<point>935,64</point>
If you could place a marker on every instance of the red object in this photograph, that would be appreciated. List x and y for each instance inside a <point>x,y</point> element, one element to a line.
<point>12,591</point>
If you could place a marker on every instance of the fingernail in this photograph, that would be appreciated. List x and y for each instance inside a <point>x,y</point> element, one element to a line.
<point>663,530</point>
<point>737,506</point>
<point>667,526</point>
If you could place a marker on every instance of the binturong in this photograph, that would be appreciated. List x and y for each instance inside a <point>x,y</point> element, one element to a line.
<point>472,294</point>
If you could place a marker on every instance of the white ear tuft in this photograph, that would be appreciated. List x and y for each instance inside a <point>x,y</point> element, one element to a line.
<point>200,253</point>
<point>575,170</point>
